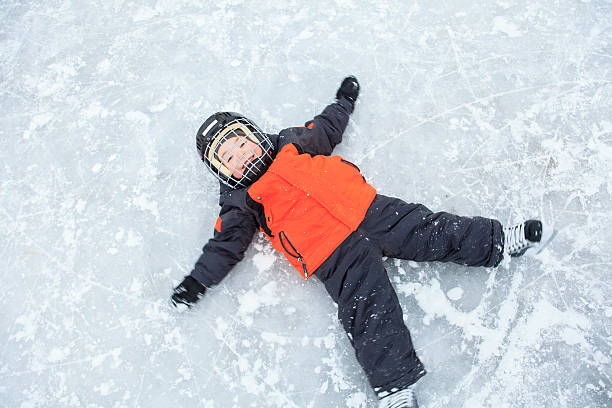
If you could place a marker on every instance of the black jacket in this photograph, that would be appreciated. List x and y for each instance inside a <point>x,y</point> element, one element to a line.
<point>240,216</point>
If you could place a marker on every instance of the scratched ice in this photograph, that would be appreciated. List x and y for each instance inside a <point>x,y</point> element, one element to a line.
<point>501,110</point>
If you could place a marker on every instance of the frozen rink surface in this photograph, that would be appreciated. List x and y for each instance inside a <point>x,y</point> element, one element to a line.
<point>500,109</point>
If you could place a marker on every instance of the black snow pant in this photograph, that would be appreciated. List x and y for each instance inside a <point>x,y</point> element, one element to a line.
<point>368,307</point>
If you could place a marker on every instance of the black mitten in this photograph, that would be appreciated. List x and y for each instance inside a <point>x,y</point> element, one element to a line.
<point>187,293</point>
<point>349,90</point>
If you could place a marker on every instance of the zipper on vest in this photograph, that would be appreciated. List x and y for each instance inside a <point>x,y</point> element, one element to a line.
<point>298,256</point>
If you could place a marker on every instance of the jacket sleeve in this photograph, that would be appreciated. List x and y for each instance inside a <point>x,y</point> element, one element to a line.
<point>324,132</point>
<point>233,233</point>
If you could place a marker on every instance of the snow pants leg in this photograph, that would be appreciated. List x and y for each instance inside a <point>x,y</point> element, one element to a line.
<point>368,307</point>
<point>413,232</point>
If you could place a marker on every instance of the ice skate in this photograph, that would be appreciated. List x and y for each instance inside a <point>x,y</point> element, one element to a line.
<point>527,238</point>
<point>405,398</point>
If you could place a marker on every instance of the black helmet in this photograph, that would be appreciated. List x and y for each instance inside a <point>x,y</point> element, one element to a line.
<point>223,126</point>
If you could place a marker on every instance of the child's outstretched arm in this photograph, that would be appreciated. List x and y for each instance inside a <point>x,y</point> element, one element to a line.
<point>233,233</point>
<point>324,132</point>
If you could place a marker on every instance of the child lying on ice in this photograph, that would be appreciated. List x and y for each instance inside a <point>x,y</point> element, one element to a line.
<point>322,215</point>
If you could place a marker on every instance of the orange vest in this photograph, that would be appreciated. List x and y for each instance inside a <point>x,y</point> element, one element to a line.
<point>311,204</point>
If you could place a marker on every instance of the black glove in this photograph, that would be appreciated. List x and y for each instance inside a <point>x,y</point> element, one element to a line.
<point>349,90</point>
<point>187,293</point>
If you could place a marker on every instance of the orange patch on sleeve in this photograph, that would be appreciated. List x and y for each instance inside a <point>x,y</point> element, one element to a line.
<point>218,224</point>
<point>310,125</point>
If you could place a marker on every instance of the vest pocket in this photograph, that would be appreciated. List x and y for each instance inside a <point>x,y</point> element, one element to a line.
<point>295,253</point>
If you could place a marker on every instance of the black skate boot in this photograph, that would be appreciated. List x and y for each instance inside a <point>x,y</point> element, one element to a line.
<point>527,238</point>
<point>404,398</point>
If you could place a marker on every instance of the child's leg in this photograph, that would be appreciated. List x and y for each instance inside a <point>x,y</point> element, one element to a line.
<point>371,315</point>
<point>413,232</point>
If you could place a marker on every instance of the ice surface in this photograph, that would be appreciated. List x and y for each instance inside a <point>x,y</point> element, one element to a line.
<point>501,110</point>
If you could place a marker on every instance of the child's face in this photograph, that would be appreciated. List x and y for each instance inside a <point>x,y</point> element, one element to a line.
<point>237,153</point>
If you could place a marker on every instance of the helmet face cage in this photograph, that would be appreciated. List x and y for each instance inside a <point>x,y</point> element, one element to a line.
<point>236,126</point>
